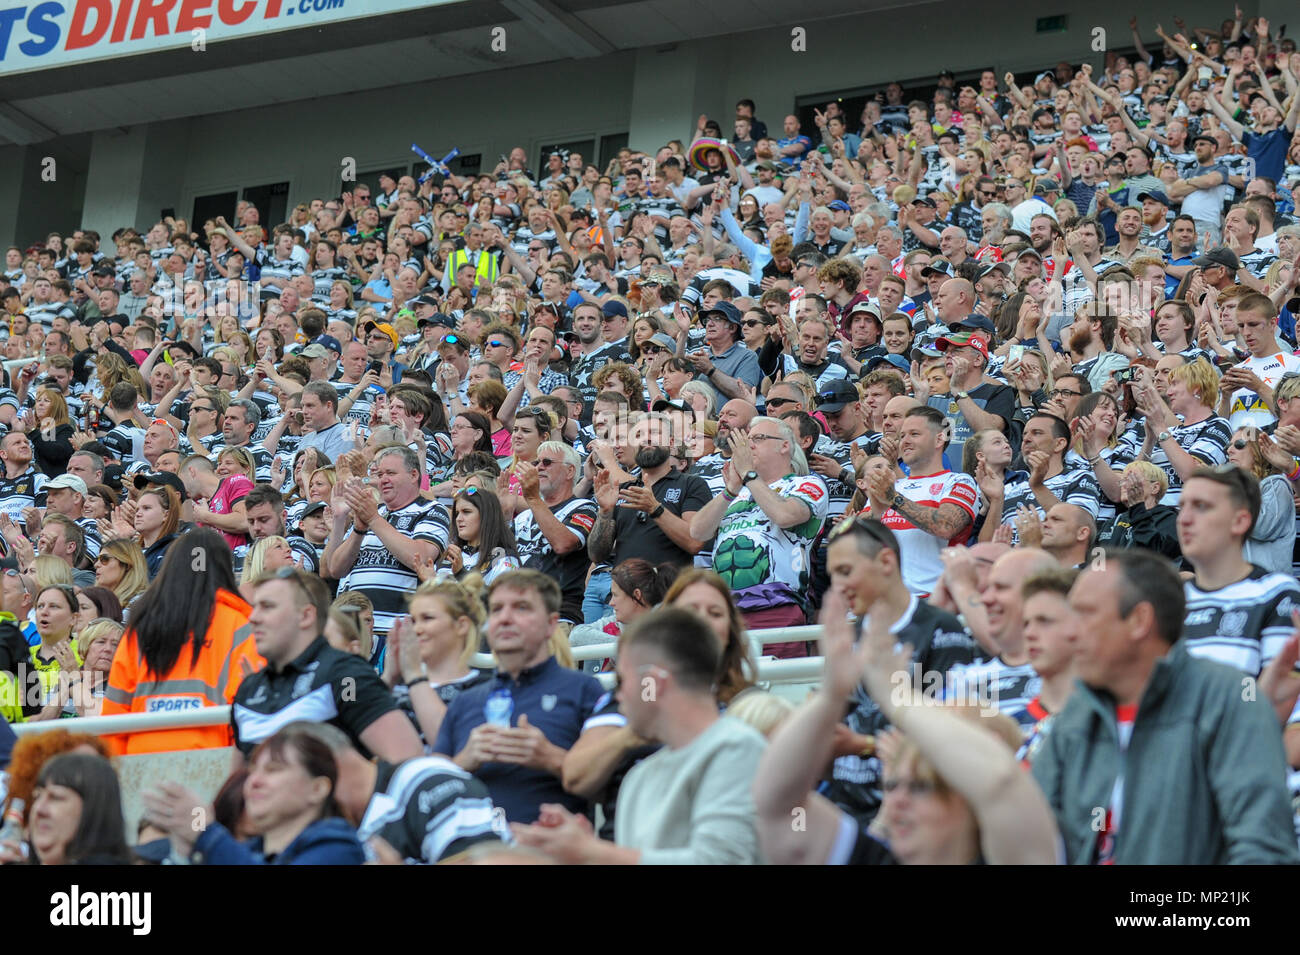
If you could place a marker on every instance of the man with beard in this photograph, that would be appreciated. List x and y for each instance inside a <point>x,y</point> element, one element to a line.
<point>649,518</point>
<point>594,352</point>
<point>1092,338</point>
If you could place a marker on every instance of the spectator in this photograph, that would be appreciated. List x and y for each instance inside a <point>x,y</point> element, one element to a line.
<point>953,791</point>
<point>513,731</point>
<point>76,815</point>
<point>289,799</point>
<point>1238,613</point>
<point>306,678</point>
<point>433,648</point>
<point>689,803</point>
<point>187,648</point>
<point>766,520</point>
<point>650,516</point>
<point>1202,799</point>
<point>552,532</point>
<point>483,541</point>
<point>425,810</point>
<point>386,544</point>
<point>928,509</point>
<point>320,407</point>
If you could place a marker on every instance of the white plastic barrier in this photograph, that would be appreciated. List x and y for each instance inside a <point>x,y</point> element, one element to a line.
<point>790,678</point>
<point>131,722</point>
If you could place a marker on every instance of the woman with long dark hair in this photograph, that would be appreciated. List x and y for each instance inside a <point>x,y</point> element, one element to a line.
<point>483,541</point>
<point>289,802</point>
<point>183,636</point>
<point>76,815</point>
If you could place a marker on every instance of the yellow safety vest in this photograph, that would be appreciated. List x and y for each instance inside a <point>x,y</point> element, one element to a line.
<point>486,267</point>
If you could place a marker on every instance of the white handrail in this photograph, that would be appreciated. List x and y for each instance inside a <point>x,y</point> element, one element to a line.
<point>131,722</point>
<point>769,671</point>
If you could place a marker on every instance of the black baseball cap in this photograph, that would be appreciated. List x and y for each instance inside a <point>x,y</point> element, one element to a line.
<point>1220,255</point>
<point>166,478</point>
<point>836,395</point>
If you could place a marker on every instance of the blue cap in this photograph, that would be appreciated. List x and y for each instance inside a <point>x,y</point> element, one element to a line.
<point>898,361</point>
<point>976,320</point>
<point>839,204</point>
<point>614,308</point>
<point>725,311</point>
<point>1155,194</point>
<point>330,342</point>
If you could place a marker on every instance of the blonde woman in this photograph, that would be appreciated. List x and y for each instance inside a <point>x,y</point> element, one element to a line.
<point>50,431</point>
<point>428,665</point>
<point>266,556</point>
<point>83,693</point>
<point>342,633</point>
<point>121,568</point>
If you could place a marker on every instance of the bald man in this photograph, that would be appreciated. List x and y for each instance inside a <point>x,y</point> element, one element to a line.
<point>1005,680</point>
<point>1068,533</point>
<point>954,301</point>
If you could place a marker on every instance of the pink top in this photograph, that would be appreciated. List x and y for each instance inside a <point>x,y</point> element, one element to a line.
<point>230,492</point>
<point>501,443</point>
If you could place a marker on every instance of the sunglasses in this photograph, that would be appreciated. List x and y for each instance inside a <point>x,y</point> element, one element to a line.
<point>751,324</point>
<point>1240,444</point>
<point>467,492</point>
<point>651,350</point>
<point>494,343</point>
<point>452,339</point>
<point>547,462</point>
<point>778,402</point>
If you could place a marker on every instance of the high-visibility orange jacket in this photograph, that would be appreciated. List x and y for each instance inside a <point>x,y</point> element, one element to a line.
<point>228,654</point>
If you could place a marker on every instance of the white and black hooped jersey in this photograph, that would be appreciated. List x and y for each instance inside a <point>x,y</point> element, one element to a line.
<point>1242,625</point>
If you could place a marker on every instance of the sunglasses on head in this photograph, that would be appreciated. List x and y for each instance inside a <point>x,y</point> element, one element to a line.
<point>452,339</point>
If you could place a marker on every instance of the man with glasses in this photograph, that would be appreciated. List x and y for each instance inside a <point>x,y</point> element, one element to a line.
<point>16,601</point>
<point>726,363</point>
<point>766,520</point>
<point>1024,206</point>
<point>552,530</point>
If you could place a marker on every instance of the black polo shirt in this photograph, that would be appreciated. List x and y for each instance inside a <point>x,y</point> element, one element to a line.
<point>636,534</point>
<point>321,685</point>
<point>557,701</point>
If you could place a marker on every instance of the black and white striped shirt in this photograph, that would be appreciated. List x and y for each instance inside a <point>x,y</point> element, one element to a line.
<point>381,576</point>
<point>429,809</point>
<point>1242,625</point>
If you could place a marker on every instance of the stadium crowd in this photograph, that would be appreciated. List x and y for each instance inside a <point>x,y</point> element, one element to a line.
<point>1000,386</point>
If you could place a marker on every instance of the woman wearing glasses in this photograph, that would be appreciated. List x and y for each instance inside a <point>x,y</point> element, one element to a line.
<point>1272,539</point>
<point>188,647</point>
<point>121,568</point>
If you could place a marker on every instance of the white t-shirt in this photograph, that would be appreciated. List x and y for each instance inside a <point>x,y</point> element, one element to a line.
<point>921,565</point>
<point>1248,408</point>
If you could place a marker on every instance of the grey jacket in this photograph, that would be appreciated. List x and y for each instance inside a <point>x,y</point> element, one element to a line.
<point>1204,772</point>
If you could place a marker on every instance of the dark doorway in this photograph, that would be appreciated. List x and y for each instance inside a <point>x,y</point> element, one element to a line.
<point>209,207</point>
<point>272,202</point>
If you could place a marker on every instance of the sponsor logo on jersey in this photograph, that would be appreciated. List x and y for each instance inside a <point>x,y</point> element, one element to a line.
<point>812,489</point>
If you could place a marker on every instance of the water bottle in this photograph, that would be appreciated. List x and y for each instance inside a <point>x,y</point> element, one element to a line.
<point>499,708</point>
<point>13,827</point>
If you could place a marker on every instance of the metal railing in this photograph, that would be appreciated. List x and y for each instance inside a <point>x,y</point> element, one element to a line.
<point>770,672</point>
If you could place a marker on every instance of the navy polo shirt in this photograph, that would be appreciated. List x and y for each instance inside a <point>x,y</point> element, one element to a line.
<point>557,701</point>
